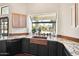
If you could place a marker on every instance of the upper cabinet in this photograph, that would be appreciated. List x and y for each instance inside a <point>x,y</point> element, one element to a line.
<point>15,20</point>
<point>22,21</point>
<point>18,20</point>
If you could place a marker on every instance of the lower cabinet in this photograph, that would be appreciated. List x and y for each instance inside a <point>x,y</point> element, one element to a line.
<point>25,44</point>
<point>66,52</point>
<point>38,50</point>
<point>42,50</point>
<point>52,48</point>
<point>62,51</point>
<point>2,46</point>
<point>60,48</point>
<point>18,45</point>
<point>13,46</point>
<point>33,49</point>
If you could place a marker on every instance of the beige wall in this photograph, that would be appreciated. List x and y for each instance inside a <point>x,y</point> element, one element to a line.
<point>39,8</point>
<point>43,9</point>
<point>29,9</point>
<point>65,12</point>
<point>15,8</point>
<point>67,21</point>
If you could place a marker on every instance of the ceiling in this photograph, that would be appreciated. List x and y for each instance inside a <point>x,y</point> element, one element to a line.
<point>36,8</point>
<point>42,7</point>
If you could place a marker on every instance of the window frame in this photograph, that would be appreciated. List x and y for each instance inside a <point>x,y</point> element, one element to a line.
<point>2,10</point>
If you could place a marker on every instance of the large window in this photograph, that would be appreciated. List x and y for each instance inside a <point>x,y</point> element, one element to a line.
<point>44,25</point>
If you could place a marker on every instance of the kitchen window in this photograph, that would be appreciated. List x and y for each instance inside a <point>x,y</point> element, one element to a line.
<point>5,10</point>
<point>43,25</point>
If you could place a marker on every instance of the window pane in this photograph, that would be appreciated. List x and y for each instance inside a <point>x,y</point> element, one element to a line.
<point>0,10</point>
<point>44,27</point>
<point>5,10</point>
<point>44,24</point>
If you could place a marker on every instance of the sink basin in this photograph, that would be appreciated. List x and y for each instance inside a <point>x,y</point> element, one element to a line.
<point>39,37</point>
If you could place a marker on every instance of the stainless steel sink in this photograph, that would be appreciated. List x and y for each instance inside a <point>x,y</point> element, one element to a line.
<point>39,37</point>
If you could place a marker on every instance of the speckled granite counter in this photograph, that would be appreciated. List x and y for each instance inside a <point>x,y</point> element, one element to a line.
<point>15,37</point>
<point>71,46</point>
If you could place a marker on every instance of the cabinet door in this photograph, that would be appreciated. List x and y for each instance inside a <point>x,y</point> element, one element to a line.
<point>22,21</point>
<point>18,20</point>
<point>42,50</point>
<point>25,44</point>
<point>60,49</point>
<point>15,20</point>
<point>18,45</point>
<point>12,46</point>
<point>33,49</point>
<point>52,48</point>
<point>66,52</point>
<point>2,46</point>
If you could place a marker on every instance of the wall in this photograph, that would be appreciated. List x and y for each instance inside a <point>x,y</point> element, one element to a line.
<point>16,8</point>
<point>67,21</point>
<point>30,9</point>
<point>66,16</point>
<point>43,9</point>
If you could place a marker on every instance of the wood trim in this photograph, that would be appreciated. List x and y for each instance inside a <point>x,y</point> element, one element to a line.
<point>68,38</point>
<point>13,34</point>
<point>38,41</point>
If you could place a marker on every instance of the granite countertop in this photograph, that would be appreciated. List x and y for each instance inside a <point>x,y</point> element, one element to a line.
<point>15,37</point>
<point>71,46</point>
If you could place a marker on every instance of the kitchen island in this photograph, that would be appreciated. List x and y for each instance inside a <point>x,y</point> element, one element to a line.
<point>71,46</point>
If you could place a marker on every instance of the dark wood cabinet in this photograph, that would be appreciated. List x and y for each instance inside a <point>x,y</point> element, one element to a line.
<point>18,45</point>
<point>52,48</point>
<point>66,52</point>
<point>25,44</point>
<point>60,48</point>
<point>18,20</point>
<point>13,46</point>
<point>22,21</point>
<point>3,46</point>
<point>15,20</point>
<point>42,50</point>
<point>33,49</point>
